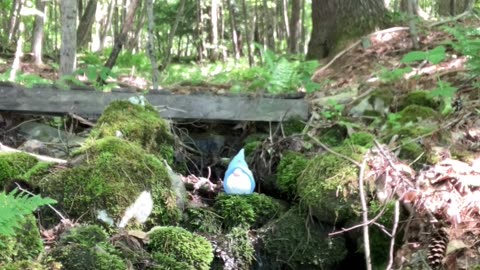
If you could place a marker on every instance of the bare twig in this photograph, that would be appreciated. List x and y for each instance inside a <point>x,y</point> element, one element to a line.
<point>49,205</point>
<point>366,237</point>
<point>333,152</point>
<point>4,148</point>
<point>81,120</point>
<point>396,217</point>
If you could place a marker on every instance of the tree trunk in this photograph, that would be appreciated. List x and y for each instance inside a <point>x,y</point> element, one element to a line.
<point>295,24</point>
<point>18,52</point>
<point>105,25</point>
<point>86,22</point>
<point>151,44</point>
<point>247,31</point>
<point>200,30</point>
<point>214,26</point>
<point>171,36</point>
<point>68,49</point>
<point>452,7</point>
<point>122,36</point>
<point>269,32</point>
<point>38,31</point>
<point>334,20</point>
<point>285,18</point>
<point>134,42</point>
<point>14,21</point>
<point>236,36</point>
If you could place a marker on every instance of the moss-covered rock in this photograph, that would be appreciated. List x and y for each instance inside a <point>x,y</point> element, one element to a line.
<point>202,220</point>
<point>420,98</point>
<point>180,245</point>
<point>249,211</point>
<point>140,124</point>
<point>329,185</point>
<point>85,248</point>
<point>112,175</point>
<point>289,169</point>
<point>26,244</point>
<point>14,165</point>
<point>415,113</point>
<point>37,172</point>
<point>295,242</point>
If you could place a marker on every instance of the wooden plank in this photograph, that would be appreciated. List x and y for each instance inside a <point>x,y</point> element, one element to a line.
<point>206,107</point>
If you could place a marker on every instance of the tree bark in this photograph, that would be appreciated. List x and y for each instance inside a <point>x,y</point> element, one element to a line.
<point>247,31</point>
<point>14,20</point>
<point>151,43</point>
<point>334,20</point>
<point>295,24</point>
<point>68,49</point>
<point>236,36</point>
<point>215,5</point>
<point>38,31</point>
<point>86,22</point>
<point>122,36</point>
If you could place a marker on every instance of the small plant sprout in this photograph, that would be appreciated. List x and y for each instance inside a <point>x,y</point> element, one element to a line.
<point>140,209</point>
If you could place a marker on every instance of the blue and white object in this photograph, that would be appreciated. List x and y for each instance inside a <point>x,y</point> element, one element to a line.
<point>238,178</point>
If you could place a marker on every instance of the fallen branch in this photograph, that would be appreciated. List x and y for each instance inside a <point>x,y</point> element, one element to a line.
<point>366,237</point>
<point>458,17</point>
<point>7,149</point>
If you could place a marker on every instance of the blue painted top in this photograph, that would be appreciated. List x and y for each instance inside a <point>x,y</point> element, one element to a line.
<point>238,178</point>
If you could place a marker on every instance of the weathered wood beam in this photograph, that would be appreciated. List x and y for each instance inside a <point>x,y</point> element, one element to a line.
<point>91,104</point>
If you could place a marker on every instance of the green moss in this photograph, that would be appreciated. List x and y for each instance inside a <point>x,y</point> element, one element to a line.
<point>329,184</point>
<point>364,139</point>
<point>300,244</point>
<point>23,265</point>
<point>379,241</point>
<point>289,169</point>
<point>112,175</point>
<point>333,136</point>
<point>250,211</point>
<point>13,165</point>
<point>293,127</point>
<point>26,244</point>
<point>101,256</point>
<point>162,262</point>
<point>411,151</point>
<point>88,235</point>
<point>241,247</point>
<point>37,172</point>
<point>202,220</point>
<point>420,98</point>
<point>415,113</point>
<point>142,125</point>
<point>182,246</point>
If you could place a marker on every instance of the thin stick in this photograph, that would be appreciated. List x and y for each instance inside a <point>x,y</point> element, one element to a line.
<point>333,152</point>
<point>4,148</point>
<point>49,205</point>
<point>396,217</point>
<point>366,237</point>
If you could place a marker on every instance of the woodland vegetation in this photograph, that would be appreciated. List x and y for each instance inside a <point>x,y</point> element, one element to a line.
<point>382,174</point>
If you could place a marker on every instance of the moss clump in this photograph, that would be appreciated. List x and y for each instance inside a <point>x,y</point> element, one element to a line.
<point>101,256</point>
<point>203,220</point>
<point>112,175</point>
<point>415,113</point>
<point>241,247</point>
<point>420,98</point>
<point>333,136</point>
<point>364,139</point>
<point>293,127</point>
<point>86,247</point>
<point>249,211</point>
<point>26,244</point>
<point>13,165</point>
<point>142,125</point>
<point>162,262</point>
<point>181,246</point>
<point>23,265</point>
<point>411,151</point>
<point>301,244</point>
<point>289,169</point>
<point>329,184</point>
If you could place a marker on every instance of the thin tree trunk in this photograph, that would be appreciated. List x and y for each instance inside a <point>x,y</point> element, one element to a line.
<point>171,36</point>
<point>14,20</point>
<point>303,35</point>
<point>200,31</point>
<point>214,23</point>
<point>68,50</point>
<point>295,31</point>
<point>38,31</point>
<point>86,23</point>
<point>122,37</point>
<point>235,33</point>
<point>18,53</point>
<point>134,42</point>
<point>151,44</point>
<point>285,18</point>
<point>411,22</point>
<point>247,31</point>
<point>106,25</point>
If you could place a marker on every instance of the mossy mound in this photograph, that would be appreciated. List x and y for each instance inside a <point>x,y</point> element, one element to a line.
<point>415,113</point>
<point>329,185</point>
<point>420,98</point>
<point>112,175</point>
<point>202,220</point>
<point>248,211</point>
<point>241,247</point>
<point>289,169</point>
<point>85,247</point>
<point>295,242</point>
<point>140,124</point>
<point>14,165</point>
<point>23,265</point>
<point>26,244</point>
<point>177,245</point>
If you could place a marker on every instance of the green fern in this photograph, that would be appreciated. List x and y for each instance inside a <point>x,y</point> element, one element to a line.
<point>14,207</point>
